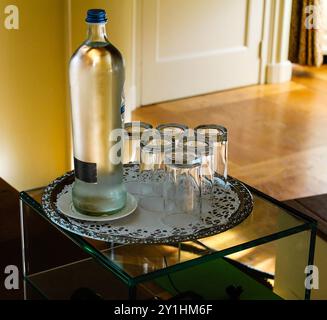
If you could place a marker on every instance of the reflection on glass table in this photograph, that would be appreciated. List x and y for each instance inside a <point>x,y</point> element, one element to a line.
<point>274,242</point>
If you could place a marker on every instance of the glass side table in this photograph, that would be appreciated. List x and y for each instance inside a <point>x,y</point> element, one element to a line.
<point>275,240</point>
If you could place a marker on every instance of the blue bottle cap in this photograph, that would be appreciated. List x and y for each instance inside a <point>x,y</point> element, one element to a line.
<point>96,16</point>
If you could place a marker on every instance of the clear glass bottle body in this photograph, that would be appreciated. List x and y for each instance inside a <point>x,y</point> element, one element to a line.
<point>96,81</point>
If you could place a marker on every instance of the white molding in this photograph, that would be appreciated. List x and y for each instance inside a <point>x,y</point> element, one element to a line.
<point>134,91</point>
<point>196,55</point>
<point>131,102</point>
<point>265,41</point>
<point>279,72</point>
<point>324,27</point>
<point>276,68</point>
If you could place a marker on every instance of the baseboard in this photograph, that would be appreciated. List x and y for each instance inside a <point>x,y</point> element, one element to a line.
<point>279,72</point>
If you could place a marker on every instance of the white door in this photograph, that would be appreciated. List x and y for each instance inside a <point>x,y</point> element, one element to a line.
<point>191,47</point>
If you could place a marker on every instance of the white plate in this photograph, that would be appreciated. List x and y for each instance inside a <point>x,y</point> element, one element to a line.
<point>66,207</point>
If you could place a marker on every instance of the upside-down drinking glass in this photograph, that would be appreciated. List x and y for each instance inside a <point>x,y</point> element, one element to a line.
<point>132,141</point>
<point>174,130</point>
<point>152,164</point>
<point>182,189</point>
<point>217,138</point>
<point>205,152</point>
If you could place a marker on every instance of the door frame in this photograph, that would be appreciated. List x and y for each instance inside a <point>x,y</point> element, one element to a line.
<point>275,66</point>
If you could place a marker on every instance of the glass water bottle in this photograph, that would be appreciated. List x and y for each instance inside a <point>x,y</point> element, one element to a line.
<point>96,82</point>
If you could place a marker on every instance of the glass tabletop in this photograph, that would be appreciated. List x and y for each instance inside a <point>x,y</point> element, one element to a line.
<point>134,264</point>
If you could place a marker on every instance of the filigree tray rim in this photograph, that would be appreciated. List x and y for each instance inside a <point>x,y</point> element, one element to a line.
<point>54,188</point>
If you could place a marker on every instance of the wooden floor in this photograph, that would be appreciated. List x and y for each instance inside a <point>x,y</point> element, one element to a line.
<point>277,133</point>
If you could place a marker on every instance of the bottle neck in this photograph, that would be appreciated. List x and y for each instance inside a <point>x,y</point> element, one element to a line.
<point>96,32</point>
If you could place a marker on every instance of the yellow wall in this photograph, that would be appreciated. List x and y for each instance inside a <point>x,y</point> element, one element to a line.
<point>291,260</point>
<point>33,135</point>
<point>321,263</point>
<point>34,100</point>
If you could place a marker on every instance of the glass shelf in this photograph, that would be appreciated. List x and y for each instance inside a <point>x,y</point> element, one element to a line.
<point>270,224</point>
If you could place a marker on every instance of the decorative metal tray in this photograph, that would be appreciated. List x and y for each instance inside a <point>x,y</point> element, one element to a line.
<point>229,207</point>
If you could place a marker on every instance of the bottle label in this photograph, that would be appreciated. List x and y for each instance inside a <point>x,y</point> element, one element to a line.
<point>122,106</point>
<point>122,109</point>
<point>85,171</point>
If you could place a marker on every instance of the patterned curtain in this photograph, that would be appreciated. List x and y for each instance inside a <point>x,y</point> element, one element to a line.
<point>306,32</point>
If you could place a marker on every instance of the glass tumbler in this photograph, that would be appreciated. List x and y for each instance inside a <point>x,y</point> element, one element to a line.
<point>182,190</point>
<point>132,141</point>
<point>174,130</point>
<point>152,164</point>
<point>217,138</point>
<point>202,149</point>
